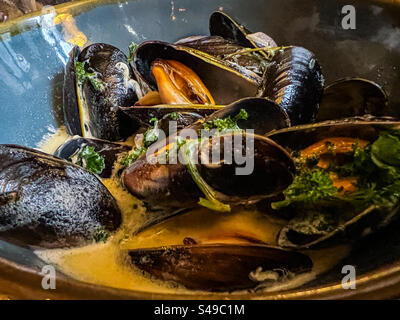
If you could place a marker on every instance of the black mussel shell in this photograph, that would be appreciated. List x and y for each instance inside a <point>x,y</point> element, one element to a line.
<point>221,24</point>
<point>358,225</point>
<point>171,186</point>
<point>351,97</point>
<point>221,268</point>
<point>98,108</point>
<point>108,150</point>
<point>298,137</point>
<point>50,203</point>
<point>70,96</point>
<point>226,50</point>
<point>169,189</point>
<point>294,81</point>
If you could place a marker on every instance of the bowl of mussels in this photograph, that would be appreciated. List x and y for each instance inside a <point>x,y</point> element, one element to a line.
<point>212,149</point>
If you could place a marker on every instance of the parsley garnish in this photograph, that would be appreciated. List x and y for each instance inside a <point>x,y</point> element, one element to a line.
<point>226,124</point>
<point>308,186</point>
<point>172,115</point>
<point>100,234</point>
<point>91,160</point>
<point>82,75</point>
<point>377,168</point>
<point>151,135</point>
<point>132,48</point>
<point>133,156</point>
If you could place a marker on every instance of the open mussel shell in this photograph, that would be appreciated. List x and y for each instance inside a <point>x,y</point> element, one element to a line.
<point>351,97</point>
<point>217,75</point>
<point>360,224</point>
<point>171,186</point>
<point>50,203</point>
<point>220,268</point>
<point>92,111</point>
<point>292,76</point>
<point>298,137</point>
<point>108,150</point>
<point>227,50</point>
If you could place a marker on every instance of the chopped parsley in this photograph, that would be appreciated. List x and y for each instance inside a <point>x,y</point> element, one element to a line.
<point>132,48</point>
<point>151,135</point>
<point>100,235</point>
<point>226,124</point>
<point>173,116</point>
<point>91,160</point>
<point>376,170</point>
<point>133,156</point>
<point>308,186</point>
<point>82,75</point>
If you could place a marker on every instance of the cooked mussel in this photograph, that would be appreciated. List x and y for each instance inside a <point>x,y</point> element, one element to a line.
<point>216,75</point>
<point>108,150</point>
<point>351,97</point>
<point>218,268</point>
<point>172,187</point>
<point>350,169</point>
<point>291,77</point>
<point>50,203</point>
<point>97,82</point>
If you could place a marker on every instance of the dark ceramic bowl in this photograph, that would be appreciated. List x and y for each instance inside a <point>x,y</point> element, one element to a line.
<point>34,50</point>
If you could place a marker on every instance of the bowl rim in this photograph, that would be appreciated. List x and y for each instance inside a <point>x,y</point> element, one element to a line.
<point>24,282</point>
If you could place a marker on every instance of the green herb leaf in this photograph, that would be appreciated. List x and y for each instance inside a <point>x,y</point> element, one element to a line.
<point>91,160</point>
<point>386,150</point>
<point>211,202</point>
<point>82,75</point>
<point>132,48</point>
<point>172,116</point>
<point>308,186</point>
<point>133,156</point>
<point>151,135</point>
<point>100,235</point>
<point>226,124</point>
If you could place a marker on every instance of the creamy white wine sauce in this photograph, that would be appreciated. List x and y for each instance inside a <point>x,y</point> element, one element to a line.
<point>107,263</point>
